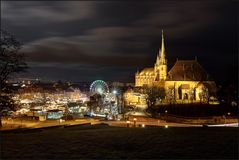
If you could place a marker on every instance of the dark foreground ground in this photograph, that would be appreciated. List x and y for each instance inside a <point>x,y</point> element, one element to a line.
<point>103,142</point>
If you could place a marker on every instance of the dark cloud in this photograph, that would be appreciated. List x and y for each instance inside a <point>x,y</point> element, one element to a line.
<point>79,72</point>
<point>35,13</point>
<point>120,36</point>
<point>73,50</point>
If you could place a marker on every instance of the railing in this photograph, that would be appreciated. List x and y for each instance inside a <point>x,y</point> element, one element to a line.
<point>186,120</point>
<point>197,120</point>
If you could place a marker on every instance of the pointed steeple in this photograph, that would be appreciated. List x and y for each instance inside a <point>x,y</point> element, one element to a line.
<point>161,63</point>
<point>162,52</point>
<point>157,60</point>
<point>137,71</point>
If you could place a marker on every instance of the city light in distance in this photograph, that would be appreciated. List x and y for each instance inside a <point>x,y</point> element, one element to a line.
<point>114,92</point>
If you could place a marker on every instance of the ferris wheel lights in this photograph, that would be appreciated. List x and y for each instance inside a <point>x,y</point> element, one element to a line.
<point>99,90</point>
<point>99,86</point>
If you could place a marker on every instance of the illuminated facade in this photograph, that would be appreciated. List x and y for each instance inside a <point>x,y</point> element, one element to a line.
<point>134,98</point>
<point>186,80</point>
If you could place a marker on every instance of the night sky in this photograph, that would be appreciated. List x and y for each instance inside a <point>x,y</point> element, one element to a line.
<point>87,40</point>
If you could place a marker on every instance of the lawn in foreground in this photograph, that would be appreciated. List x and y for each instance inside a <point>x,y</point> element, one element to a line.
<point>101,141</point>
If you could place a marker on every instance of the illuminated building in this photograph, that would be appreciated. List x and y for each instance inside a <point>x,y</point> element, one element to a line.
<point>186,80</point>
<point>134,98</point>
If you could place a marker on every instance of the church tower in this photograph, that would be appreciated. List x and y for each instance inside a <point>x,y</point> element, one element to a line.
<point>160,67</point>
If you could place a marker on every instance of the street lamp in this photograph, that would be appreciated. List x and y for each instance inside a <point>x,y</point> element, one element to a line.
<point>116,95</point>
<point>128,122</point>
<point>166,114</point>
<point>114,91</point>
<point>135,119</point>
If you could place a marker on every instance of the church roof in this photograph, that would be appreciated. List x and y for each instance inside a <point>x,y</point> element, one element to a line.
<point>147,71</point>
<point>187,70</point>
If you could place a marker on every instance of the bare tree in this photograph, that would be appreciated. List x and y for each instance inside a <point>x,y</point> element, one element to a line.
<point>11,62</point>
<point>96,102</point>
<point>170,95</point>
<point>204,95</point>
<point>153,94</point>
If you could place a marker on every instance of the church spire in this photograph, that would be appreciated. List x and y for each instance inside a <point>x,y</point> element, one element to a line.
<point>161,63</point>
<point>162,52</point>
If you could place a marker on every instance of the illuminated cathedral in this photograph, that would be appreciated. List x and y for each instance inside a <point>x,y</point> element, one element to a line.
<point>186,80</point>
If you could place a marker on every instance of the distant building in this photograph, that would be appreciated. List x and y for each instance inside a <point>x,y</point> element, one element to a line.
<point>186,80</point>
<point>134,98</point>
<point>117,84</point>
<point>47,93</point>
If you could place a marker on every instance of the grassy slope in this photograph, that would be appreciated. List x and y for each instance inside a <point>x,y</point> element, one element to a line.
<point>198,110</point>
<point>109,142</point>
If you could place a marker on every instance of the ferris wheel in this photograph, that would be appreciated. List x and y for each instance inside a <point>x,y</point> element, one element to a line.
<point>99,87</point>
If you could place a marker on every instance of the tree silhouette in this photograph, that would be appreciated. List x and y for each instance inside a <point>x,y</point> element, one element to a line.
<point>96,102</point>
<point>11,62</point>
<point>153,94</point>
